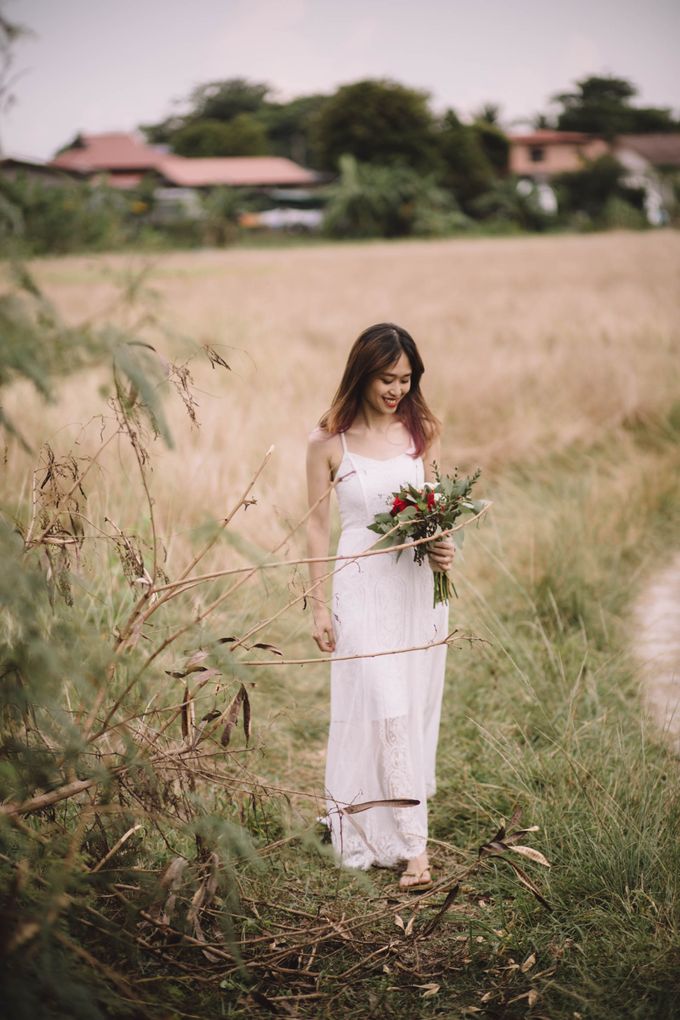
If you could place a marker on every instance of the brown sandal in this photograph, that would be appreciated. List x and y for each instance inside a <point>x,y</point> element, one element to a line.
<point>420,883</point>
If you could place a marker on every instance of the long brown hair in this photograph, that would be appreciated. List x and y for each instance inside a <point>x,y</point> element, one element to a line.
<point>376,350</point>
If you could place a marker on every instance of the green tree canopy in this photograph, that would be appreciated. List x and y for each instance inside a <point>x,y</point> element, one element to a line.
<point>243,135</point>
<point>467,169</point>
<point>219,101</point>
<point>377,121</point>
<point>291,127</point>
<point>601,105</point>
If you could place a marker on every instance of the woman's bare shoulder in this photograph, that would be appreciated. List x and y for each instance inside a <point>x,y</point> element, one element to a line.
<point>323,444</point>
<point>318,436</point>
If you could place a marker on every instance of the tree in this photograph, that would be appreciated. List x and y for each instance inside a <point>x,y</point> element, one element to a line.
<point>467,170</point>
<point>601,105</point>
<point>377,121</point>
<point>495,144</point>
<point>214,101</point>
<point>291,127</point>
<point>223,100</point>
<point>243,135</point>
<point>489,113</point>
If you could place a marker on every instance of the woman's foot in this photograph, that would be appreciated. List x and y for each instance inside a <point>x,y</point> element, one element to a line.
<point>417,875</point>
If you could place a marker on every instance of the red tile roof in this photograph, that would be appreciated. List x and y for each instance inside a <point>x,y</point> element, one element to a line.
<point>234,171</point>
<point>114,151</point>
<point>546,137</point>
<point>122,154</point>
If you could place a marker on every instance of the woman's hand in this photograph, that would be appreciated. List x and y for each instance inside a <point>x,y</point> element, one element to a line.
<point>323,632</point>
<point>440,554</point>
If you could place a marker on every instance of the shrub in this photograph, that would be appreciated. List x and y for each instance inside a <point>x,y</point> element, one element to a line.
<point>67,217</point>
<point>388,201</point>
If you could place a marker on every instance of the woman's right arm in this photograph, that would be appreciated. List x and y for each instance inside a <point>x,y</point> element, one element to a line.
<point>318,535</point>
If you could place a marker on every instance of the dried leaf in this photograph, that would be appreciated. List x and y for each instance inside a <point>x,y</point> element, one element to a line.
<point>181,674</point>
<point>409,927</point>
<point>214,358</point>
<point>500,834</point>
<point>231,715</point>
<point>354,809</point>
<point>399,921</point>
<point>533,855</point>
<point>430,990</point>
<point>532,997</point>
<point>268,648</point>
<point>526,881</point>
<point>450,897</point>
<point>171,879</point>
<point>200,728</point>
<point>246,715</point>
<point>528,963</point>
<point>225,640</point>
<point>494,847</point>
<point>515,837</point>
<point>186,702</point>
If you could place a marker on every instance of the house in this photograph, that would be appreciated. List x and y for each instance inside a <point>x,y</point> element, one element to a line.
<point>124,159</point>
<point>12,167</point>
<point>121,159</point>
<point>542,154</point>
<point>651,163</point>
<point>648,161</point>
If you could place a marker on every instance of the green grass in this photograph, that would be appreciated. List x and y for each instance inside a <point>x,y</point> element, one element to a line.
<point>544,712</point>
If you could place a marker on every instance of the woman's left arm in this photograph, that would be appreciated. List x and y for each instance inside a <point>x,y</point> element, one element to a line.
<point>440,554</point>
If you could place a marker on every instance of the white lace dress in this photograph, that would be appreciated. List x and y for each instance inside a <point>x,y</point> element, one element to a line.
<point>384,710</point>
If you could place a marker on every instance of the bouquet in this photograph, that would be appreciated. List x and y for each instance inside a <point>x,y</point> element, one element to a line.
<point>421,513</point>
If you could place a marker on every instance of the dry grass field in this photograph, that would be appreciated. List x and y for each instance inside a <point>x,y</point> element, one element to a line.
<point>530,345</point>
<point>554,363</point>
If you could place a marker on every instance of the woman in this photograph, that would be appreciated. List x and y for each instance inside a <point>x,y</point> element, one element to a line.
<point>377,435</point>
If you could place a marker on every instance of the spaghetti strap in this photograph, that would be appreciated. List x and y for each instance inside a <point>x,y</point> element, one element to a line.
<point>344,444</point>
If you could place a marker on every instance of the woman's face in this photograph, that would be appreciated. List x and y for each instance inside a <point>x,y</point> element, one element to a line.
<point>387,388</point>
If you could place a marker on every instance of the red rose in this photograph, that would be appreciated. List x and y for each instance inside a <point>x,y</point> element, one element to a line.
<point>430,499</point>
<point>398,506</point>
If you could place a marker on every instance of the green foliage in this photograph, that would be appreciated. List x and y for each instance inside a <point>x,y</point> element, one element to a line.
<point>36,344</point>
<point>494,143</point>
<point>79,785</point>
<point>504,203</point>
<point>242,135</point>
<point>382,201</point>
<point>601,105</point>
<point>377,121</point>
<point>219,101</point>
<point>291,128</point>
<point>589,190</point>
<point>467,171</point>
<point>618,214</point>
<point>222,207</point>
<point>70,216</point>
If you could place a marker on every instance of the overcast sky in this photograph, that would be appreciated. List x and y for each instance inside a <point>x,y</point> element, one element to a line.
<point>106,65</point>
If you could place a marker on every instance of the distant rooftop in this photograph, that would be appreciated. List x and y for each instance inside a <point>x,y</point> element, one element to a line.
<point>116,150</point>
<point>550,137</point>
<point>660,149</point>
<point>126,156</point>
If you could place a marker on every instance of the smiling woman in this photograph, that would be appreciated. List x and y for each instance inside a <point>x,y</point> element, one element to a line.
<point>387,639</point>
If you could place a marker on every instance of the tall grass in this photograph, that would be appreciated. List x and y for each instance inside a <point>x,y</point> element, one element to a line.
<point>554,363</point>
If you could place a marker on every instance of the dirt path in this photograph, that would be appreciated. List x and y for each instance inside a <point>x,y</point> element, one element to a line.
<point>657,618</point>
